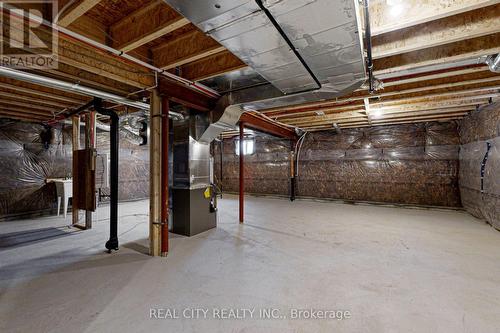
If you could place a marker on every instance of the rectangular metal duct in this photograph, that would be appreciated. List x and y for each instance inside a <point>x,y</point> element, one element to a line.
<point>324,35</point>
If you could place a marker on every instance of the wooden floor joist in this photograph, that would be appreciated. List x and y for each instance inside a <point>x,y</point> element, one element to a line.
<point>145,25</point>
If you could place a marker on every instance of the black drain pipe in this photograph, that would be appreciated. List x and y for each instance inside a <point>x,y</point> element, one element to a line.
<point>112,243</point>
<point>368,38</point>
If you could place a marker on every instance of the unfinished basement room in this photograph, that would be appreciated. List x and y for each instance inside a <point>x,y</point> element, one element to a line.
<point>250,166</point>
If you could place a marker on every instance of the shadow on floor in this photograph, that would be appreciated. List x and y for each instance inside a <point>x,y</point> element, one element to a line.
<point>28,237</point>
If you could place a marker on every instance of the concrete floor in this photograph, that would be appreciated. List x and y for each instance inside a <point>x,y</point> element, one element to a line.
<point>393,269</point>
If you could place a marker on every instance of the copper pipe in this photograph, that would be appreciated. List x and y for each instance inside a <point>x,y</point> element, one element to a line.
<point>164,176</point>
<point>242,172</point>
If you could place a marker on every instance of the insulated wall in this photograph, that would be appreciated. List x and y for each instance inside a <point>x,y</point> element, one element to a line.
<point>31,153</point>
<point>480,164</point>
<point>404,164</point>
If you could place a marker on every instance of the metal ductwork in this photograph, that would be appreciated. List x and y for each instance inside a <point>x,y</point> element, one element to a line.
<point>309,50</point>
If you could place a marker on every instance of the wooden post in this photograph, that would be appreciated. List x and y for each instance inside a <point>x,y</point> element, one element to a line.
<point>155,176</point>
<point>242,173</point>
<point>90,143</point>
<point>76,146</point>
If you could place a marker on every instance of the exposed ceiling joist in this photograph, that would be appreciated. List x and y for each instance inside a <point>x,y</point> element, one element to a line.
<point>449,53</point>
<point>212,66</point>
<point>9,102</point>
<point>21,116</point>
<point>407,13</point>
<point>144,25</point>
<point>469,25</point>
<point>47,94</point>
<point>75,11</point>
<point>189,47</point>
<point>38,100</point>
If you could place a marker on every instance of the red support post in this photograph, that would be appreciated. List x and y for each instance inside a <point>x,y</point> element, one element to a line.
<point>242,173</point>
<point>164,175</point>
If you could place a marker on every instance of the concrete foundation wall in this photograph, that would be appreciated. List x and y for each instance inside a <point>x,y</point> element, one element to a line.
<point>480,143</point>
<point>405,164</point>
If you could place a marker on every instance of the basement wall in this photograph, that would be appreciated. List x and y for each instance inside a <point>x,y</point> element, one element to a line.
<point>415,164</point>
<point>25,164</point>
<point>476,131</point>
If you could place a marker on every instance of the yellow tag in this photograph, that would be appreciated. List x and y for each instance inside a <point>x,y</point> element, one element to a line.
<point>208,193</point>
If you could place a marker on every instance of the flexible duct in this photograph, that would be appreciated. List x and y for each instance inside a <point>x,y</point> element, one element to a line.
<point>493,63</point>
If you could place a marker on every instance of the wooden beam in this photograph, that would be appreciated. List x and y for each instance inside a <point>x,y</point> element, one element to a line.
<point>184,49</point>
<point>211,66</point>
<point>258,122</point>
<point>75,11</point>
<point>469,25</point>
<point>185,96</point>
<point>144,25</point>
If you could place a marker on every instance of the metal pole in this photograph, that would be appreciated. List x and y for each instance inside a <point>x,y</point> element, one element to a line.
<point>242,173</point>
<point>368,37</point>
<point>164,176</point>
<point>292,170</point>
<point>221,165</point>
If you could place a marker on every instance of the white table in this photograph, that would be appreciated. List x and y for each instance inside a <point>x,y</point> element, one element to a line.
<point>64,190</point>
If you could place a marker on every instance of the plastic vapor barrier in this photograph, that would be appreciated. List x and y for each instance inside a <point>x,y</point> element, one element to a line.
<point>480,164</point>
<point>404,164</point>
<point>31,153</point>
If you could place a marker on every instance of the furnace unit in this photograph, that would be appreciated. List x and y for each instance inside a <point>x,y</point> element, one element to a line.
<point>193,205</point>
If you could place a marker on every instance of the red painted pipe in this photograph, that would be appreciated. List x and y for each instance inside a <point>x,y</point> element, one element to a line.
<point>164,176</point>
<point>242,173</point>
